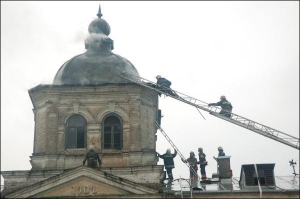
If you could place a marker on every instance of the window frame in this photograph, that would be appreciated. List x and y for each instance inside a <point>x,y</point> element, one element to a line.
<point>112,133</point>
<point>78,130</point>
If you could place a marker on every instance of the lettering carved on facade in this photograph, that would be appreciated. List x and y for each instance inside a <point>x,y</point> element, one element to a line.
<point>78,190</point>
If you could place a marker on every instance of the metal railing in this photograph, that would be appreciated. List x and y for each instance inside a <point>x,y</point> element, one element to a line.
<point>235,119</point>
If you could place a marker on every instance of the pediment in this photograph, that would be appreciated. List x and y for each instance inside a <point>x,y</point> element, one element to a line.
<point>82,186</point>
<point>82,182</point>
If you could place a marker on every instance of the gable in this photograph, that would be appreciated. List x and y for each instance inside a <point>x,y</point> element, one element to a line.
<point>81,187</point>
<point>82,182</point>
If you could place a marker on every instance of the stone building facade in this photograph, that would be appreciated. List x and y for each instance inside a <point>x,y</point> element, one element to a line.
<point>90,106</point>
<point>134,106</point>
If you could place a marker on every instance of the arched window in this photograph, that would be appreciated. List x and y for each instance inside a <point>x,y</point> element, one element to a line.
<point>76,132</point>
<point>112,132</point>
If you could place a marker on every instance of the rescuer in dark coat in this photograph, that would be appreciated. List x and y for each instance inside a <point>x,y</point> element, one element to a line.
<point>225,105</point>
<point>92,157</point>
<point>202,162</point>
<point>168,162</point>
<point>221,152</point>
<point>164,85</point>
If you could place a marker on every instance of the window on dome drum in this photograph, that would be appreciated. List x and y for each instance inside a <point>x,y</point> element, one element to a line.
<point>76,132</point>
<point>112,132</point>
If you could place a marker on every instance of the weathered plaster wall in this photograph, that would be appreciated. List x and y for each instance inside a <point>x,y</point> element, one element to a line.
<point>53,105</point>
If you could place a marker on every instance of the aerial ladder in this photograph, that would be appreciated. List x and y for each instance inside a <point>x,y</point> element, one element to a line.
<point>235,119</point>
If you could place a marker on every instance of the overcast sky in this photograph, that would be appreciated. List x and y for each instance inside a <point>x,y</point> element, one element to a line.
<point>246,50</point>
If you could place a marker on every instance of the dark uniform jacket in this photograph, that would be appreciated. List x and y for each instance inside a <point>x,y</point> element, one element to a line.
<point>224,104</point>
<point>221,153</point>
<point>202,159</point>
<point>92,158</point>
<point>164,82</point>
<point>168,159</point>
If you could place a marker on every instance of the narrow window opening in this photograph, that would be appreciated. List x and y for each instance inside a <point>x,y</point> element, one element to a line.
<point>76,132</point>
<point>112,133</point>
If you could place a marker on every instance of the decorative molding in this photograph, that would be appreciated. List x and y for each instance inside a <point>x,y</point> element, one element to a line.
<point>76,107</point>
<point>86,114</point>
<point>107,110</point>
<point>112,106</point>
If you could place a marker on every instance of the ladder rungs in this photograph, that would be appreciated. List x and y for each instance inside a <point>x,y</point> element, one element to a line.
<point>235,119</point>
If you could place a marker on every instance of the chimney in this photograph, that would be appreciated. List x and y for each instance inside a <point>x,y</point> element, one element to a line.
<point>224,170</point>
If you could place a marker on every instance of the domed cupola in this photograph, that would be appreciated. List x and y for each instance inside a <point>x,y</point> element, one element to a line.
<point>99,26</point>
<point>98,65</point>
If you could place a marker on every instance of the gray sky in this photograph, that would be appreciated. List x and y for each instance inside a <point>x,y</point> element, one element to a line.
<point>246,50</point>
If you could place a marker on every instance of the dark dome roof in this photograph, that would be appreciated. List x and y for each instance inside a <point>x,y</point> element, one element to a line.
<point>100,69</point>
<point>99,26</point>
<point>98,65</point>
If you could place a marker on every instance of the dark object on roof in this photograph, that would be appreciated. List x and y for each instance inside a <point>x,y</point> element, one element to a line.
<point>265,176</point>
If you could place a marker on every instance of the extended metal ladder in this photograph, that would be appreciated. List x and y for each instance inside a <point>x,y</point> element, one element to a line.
<point>235,119</point>
<point>179,153</point>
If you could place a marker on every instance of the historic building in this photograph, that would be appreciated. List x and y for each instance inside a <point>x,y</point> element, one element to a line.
<point>90,106</point>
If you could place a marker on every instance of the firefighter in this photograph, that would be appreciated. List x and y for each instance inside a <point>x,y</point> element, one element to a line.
<point>92,157</point>
<point>164,85</point>
<point>168,162</point>
<point>193,164</point>
<point>225,105</point>
<point>221,152</point>
<point>202,162</point>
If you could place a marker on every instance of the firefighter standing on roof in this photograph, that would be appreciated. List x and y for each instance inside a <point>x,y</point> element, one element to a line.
<point>225,105</point>
<point>202,162</point>
<point>221,152</point>
<point>168,162</point>
<point>193,164</point>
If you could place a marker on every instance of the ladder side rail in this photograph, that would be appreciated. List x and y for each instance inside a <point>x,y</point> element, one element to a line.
<point>263,128</point>
<point>198,106</point>
<point>170,141</point>
<point>178,152</point>
<point>148,81</point>
<point>263,133</point>
<point>258,127</point>
<point>251,124</point>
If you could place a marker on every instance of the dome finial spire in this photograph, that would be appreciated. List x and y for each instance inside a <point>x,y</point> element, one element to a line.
<point>99,12</point>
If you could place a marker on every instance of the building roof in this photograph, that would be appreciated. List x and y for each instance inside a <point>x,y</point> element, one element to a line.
<point>283,184</point>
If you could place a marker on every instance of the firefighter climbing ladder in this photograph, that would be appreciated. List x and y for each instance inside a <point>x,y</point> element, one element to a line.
<point>235,119</point>
<point>178,152</point>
